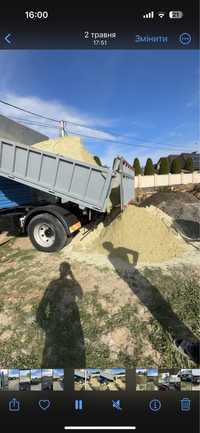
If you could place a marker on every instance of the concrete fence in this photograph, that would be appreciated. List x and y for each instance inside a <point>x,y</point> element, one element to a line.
<point>166,179</point>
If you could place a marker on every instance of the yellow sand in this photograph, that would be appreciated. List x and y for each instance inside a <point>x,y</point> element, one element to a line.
<point>138,235</point>
<point>70,146</point>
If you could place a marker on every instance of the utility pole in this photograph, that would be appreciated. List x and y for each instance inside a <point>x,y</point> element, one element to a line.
<point>62,128</point>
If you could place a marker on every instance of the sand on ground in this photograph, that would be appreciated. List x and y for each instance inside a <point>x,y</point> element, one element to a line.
<point>138,235</point>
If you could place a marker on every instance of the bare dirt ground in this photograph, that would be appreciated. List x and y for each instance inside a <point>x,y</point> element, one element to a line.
<point>183,207</point>
<point>70,309</point>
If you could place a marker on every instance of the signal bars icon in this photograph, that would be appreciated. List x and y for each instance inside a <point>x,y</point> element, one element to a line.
<point>149,15</point>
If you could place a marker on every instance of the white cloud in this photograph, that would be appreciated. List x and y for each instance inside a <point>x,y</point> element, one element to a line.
<point>92,133</point>
<point>53,110</point>
<point>107,150</point>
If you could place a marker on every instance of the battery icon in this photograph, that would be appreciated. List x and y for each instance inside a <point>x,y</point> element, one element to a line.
<point>176,14</point>
<point>185,404</point>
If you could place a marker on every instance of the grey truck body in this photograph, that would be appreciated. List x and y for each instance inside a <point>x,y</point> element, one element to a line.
<point>86,185</point>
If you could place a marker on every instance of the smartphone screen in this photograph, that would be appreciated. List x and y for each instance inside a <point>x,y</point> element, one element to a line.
<point>100,217</point>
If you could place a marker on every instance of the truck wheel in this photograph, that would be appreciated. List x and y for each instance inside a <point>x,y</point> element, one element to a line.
<point>47,233</point>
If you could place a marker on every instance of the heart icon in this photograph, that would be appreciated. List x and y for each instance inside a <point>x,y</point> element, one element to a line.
<point>44,404</point>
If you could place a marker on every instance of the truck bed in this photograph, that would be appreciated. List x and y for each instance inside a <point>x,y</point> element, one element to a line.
<point>87,185</point>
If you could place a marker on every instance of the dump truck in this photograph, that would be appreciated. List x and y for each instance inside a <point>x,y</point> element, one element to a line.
<point>196,376</point>
<point>49,196</point>
<point>190,375</point>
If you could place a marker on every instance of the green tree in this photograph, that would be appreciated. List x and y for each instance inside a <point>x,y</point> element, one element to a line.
<point>149,168</point>
<point>176,166</point>
<point>164,166</point>
<point>137,167</point>
<point>189,164</point>
<point>97,160</point>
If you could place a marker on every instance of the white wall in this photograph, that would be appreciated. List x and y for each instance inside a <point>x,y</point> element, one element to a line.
<point>166,179</point>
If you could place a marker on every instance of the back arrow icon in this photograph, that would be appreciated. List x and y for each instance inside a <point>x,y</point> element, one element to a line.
<point>7,38</point>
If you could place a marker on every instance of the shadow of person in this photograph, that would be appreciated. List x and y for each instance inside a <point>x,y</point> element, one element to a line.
<point>127,256</point>
<point>58,316</point>
<point>149,295</point>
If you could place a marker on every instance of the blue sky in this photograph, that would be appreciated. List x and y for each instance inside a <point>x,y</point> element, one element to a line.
<point>58,372</point>
<point>36,373</point>
<point>149,96</point>
<point>13,372</point>
<point>47,372</point>
<point>152,372</point>
<point>114,370</point>
<point>25,373</point>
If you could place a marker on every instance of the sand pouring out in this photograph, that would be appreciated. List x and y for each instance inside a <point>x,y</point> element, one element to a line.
<point>138,235</point>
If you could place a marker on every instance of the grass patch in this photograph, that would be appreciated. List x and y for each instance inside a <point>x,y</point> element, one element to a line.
<point>181,290</point>
<point>97,355</point>
<point>6,273</point>
<point>60,329</point>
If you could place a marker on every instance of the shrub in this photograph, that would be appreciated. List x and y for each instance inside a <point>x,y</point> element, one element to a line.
<point>164,166</point>
<point>176,166</point>
<point>137,167</point>
<point>149,168</point>
<point>97,160</point>
<point>189,164</point>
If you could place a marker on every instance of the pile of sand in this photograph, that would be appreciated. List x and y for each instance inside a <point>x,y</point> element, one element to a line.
<point>70,146</point>
<point>138,235</point>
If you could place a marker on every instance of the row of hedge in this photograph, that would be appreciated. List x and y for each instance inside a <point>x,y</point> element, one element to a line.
<point>175,167</point>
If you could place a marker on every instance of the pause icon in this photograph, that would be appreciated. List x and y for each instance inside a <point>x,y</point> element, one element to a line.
<point>149,15</point>
<point>78,404</point>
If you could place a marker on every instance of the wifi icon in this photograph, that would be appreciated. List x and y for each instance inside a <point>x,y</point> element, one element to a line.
<point>161,14</point>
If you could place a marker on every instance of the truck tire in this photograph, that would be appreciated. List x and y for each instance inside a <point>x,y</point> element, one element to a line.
<point>47,233</point>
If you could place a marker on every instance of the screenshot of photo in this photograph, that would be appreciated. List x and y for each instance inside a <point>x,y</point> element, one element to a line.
<point>100,216</point>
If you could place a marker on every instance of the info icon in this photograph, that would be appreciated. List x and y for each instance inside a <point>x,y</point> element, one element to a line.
<point>155,405</point>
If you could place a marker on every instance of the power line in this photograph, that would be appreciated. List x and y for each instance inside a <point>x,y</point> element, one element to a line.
<point>32,122</point>
<point>161,146</point>
<point>29,122</point>
<point>125,144</point>
<point>96,138</point>
<point>117,135</point>
<point>27,111</point>
<point>121,136</point>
